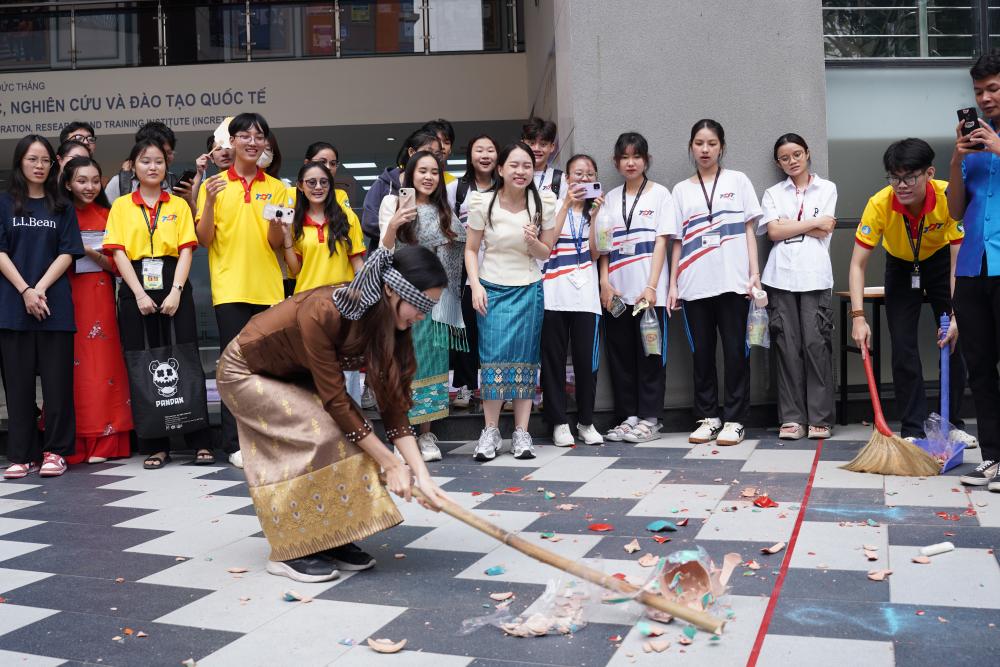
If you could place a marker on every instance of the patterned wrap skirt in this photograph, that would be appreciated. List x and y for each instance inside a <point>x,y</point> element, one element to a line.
<point>312,488</point>
<point>510,341</point>
<point>430,386</point>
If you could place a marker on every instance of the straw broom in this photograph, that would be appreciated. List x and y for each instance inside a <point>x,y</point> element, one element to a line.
<point>700,619</point>
<point>887,453</point>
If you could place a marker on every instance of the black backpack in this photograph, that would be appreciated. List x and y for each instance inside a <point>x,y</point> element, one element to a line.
<point>125,181</point>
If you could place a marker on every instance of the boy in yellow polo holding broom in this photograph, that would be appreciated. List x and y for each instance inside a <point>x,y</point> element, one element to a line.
<point>921,239</point>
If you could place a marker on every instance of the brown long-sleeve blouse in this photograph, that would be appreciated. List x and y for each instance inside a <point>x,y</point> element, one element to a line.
<point>300,339</point>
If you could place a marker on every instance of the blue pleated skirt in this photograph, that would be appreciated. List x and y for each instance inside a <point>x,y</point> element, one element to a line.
<point>510,340</point>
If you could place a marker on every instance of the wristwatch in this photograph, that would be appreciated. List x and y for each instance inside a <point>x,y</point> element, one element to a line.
<point>178,287</point>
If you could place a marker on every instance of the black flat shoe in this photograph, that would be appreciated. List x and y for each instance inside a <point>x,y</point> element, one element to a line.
<point>349,558</point>
<point>155,462</point>
<point>308,569</point>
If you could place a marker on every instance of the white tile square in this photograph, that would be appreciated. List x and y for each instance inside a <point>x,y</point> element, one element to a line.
<point>28,660</point>
<point>457,536</point>
<point>202,537</point>
<point>851,432</point>
<point>840,547</point>
<point>747,525</point>
<point>415,515</point>
<point>12,549</point>
<point>181,492</point>
<point>732,649</point>
<point>11,489</point>
<point>693,500</point>
<point>987,506</point>
<point>959,578</point>
<point>830,475</point>
<point>620,483</point>
<point>935,491</point>
<point>362,656</point>
<point>780,460</point>
<point>188,512</point>
<point>825,652</point>
<point>544,454</point>
<point>8,526</point>
<point>15,616</point>
<point>740,452</point>
<point>667,441</point>
<point>248,552</point>
<point>306,635</point>
<point>524,569</point>
<point>8,505</point>
<point>11,579</point>
<point>573,469</point>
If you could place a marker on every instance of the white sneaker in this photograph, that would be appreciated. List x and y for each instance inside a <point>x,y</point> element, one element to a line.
<point>427,442</point>
<point>562,436</point>
<point>463,398</point>
<point>958,435</point>
<point>707,431</point>
<point>732,434</point>
<point>589,434</point>
<point>521,445</point>
<point>489,444</point>
<point>236,458</point>
<point>368,399</point>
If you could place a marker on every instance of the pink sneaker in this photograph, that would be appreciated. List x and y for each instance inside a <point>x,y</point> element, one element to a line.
<point>19,470</point>
<point>53,465</point>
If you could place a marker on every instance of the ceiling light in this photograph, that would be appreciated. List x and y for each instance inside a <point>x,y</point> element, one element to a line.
<point>359,165</point>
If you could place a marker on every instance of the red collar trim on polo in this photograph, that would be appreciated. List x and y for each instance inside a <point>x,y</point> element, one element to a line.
<point>319,227</point>
<point>233,176</point>
<point>139,201</point>
<point>930,202</point>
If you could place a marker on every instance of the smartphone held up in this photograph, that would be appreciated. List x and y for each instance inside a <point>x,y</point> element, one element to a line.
<point>969,120</point>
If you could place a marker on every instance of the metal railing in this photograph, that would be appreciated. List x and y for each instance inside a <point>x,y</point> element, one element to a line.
<point>96,33</point>
<point>906,29</point>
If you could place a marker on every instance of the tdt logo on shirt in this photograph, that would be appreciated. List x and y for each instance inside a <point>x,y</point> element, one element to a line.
<point>263,196</point>
<point>647,212</point>
<point>934,226</point>
<point>728,196</point>
<point>169,218</point>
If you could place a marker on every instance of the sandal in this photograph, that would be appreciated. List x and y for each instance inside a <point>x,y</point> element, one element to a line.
<point>618,433</point>
<point>155,461</point>
<point>643,432</point>
<point>819,432</point>
<point>791,431</point>
<point>204,457</point>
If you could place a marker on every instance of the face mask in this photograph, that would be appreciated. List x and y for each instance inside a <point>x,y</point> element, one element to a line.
<point>265,159</point>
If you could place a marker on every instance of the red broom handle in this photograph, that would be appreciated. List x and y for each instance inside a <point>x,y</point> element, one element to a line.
<point>880,424</point>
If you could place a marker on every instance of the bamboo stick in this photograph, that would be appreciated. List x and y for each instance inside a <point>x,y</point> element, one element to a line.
<point>700,619</point>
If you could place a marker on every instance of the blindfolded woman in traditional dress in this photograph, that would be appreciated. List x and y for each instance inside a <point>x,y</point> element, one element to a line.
<point>312,460</point>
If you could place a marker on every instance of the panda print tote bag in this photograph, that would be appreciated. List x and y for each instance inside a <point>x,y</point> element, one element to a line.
<point>168,387</point>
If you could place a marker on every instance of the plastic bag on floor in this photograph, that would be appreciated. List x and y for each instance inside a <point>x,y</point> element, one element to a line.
<point>939,443</point>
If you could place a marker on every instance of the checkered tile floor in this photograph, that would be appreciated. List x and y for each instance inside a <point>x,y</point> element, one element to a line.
<point>91,560</point>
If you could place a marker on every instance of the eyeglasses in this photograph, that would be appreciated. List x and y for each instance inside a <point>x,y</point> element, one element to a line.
<point>247,138</point>
<point>317,182</point>
<point>909,180</point>
<point>84,139</point>
<point>44,161</point>
<point>796,156</point>
<point>329,163</point>
<point>578,175</point>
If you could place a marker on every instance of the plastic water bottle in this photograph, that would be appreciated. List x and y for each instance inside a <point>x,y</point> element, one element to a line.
<point>758,327</point>
<point>649,328</point>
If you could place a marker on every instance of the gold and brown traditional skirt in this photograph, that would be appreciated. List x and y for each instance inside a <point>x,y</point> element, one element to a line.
<point>312,489</point>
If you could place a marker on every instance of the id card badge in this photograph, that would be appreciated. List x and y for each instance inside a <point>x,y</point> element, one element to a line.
<point>711,240</point>
<point>152,273</point>
<point>795,239</point>
<point>578,278</point>
<point>628,248</point>
<point>915,280</point>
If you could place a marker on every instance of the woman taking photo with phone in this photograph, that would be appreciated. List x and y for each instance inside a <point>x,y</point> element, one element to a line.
<point>150,235</point>
<point>517,225</point>
<point>642,218</point>
<point>311,458</point>
<point>573,308</point>
<point>421,216</point>
<point>39,239</point>
<point>715,273</point>
<point>100,383</point>
<point>480,176</point>
<point>799,219</point>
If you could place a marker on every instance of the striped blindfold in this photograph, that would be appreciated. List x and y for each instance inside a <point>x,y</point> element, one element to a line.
<point>354,300</point>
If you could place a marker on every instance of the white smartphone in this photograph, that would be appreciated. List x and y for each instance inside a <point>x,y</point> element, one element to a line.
<point>591,190</point>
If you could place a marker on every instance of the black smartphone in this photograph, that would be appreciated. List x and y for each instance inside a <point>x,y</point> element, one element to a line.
<point>188,176</point>
<point>970,121</point>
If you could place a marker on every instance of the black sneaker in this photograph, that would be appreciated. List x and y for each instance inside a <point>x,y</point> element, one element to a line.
<point>994,484</point>
<point>308,569</point>
<point>985,473</point>
<point>349,558</point>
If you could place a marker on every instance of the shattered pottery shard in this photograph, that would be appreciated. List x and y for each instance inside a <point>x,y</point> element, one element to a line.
<point>500,597</point>
<point>236,570</point>
<point>658,645</point>
<point>601,527</point>
<point>871,555</point>
<point>921,560</point>
<point>386,645</point>
<point>878,575</point>
<point>649,560</point>
<point>567,507</point>
<point>632,546</point>
<point>660,525</point>
<point>765,502</point>
<point>773,549</point>
<point>494,571</point>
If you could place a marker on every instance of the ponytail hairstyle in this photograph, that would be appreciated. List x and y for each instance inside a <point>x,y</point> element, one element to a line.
<point>637,143</point>
<point>715,128</point>
<point>439,199</point>
<point>416,141</point>
<point>593,162</point>
<point>531,192</point>
<point>18,187</point>
<point>336,218</point>
<point>69,173</point>
<point>392,363</point>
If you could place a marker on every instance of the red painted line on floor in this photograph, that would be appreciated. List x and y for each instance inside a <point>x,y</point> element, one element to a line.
<point>789,550</point>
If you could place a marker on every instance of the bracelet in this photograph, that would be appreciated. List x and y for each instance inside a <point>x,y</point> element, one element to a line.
<point>856,313</point>
<point>650,287</point>
<point>28,287</point>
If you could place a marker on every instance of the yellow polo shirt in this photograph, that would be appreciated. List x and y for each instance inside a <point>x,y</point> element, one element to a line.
<point>161,231</point>
<point>318,266</point>
<point>241,263</point>
<point>886,219</point>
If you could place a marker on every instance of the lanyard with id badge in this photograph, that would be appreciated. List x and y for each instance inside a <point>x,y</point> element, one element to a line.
<point>915,247</point>
<point>802,206</point>
<point>152,267</point>
<point>713,240</point>
<point>628,245</point>
<point>578,277</point>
